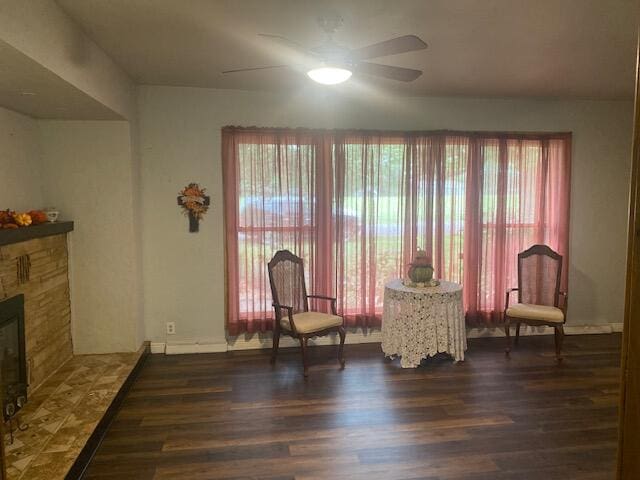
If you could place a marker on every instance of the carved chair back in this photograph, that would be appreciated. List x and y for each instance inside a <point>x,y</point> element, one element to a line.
<point>286,278</point>
<point>539,270</point>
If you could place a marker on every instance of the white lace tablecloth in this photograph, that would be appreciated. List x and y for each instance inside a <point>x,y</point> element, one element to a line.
<point>420,322</point>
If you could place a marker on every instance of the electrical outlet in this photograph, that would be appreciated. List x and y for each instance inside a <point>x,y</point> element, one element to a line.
<point>171,328</point>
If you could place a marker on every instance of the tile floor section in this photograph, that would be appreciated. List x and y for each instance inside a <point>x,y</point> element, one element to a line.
<point>63,412</point>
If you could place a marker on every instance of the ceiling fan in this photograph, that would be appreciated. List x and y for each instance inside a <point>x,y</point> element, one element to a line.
<point>332,63</point>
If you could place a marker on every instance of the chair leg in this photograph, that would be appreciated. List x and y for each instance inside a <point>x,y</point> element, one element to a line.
<point>276,344</point>
<point>517,333</point>
<point>507,326</point>
<point>343,335</point>
<point>559,337</point>
<point>303,348</point>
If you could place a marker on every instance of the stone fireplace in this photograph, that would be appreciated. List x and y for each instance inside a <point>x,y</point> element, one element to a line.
<point>34,264</point>
<point>13,362</point>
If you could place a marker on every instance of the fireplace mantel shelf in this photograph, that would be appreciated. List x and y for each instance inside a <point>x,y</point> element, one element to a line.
<point>9,236</point>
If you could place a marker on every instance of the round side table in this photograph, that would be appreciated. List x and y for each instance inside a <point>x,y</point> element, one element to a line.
<point>420,322</point>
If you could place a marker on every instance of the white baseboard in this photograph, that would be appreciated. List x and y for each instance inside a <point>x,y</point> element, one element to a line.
<point>525,330</point>
<point>157,347</point>
<point>617,327</point>
<point>177,348</point>
<point>587,329</point>
<point>263,340</point>
<point>544,330</point>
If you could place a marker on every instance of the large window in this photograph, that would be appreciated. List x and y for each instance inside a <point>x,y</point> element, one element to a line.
<point>356,205</point>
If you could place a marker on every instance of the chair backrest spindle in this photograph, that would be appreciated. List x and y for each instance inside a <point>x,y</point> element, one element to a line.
<point>286,278</point>
<point>539,272</point>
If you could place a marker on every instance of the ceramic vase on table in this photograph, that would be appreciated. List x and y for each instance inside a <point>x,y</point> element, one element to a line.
<point>421,270</point>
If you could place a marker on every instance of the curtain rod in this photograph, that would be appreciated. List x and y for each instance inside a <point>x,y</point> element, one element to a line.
<point>398,133</point>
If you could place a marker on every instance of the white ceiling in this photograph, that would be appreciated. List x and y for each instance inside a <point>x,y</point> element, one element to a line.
<point>28,87</point>
<point>534,48</point>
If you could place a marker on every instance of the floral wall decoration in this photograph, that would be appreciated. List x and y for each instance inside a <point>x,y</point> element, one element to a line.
<point>194,204</point>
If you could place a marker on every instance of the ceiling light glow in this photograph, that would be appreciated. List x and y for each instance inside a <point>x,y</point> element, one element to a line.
<point>329,75</point>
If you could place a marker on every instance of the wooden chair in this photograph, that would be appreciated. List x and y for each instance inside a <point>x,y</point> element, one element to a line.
<point>289,292</point>
<point>539,270</point>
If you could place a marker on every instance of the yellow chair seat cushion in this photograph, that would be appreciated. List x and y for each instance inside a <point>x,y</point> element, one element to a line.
<point>542,313</point>
<point>309,322</point>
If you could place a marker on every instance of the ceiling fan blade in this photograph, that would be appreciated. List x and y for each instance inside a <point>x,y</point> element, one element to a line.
<point>387,71</point>
<point>407,43</point>
<point>288,43</point>
<point>254,68</point>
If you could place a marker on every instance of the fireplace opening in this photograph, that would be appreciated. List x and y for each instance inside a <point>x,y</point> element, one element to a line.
<point>13,366</point>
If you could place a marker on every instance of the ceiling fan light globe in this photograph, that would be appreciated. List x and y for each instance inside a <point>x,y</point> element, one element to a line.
<point>329,75</point>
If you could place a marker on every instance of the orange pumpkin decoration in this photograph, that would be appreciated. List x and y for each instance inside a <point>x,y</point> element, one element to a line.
<point>38,217</point>
<point>22,219</point>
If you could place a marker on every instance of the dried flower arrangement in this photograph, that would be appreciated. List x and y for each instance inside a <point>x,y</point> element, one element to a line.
<point>194,203</point>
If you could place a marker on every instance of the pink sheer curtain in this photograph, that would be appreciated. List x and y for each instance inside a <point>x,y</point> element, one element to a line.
<point>271,203</point>
<point>369,209</point>
<point>355,205</point>
<point>436,206</point>
<point>517,195</point>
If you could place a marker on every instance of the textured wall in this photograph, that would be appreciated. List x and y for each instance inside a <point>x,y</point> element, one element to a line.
<point>89,176</point>
<point>180,142</point>
<point>20,169</point>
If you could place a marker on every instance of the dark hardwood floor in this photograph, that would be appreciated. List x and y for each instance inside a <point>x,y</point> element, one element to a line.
<point>233,416</point>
